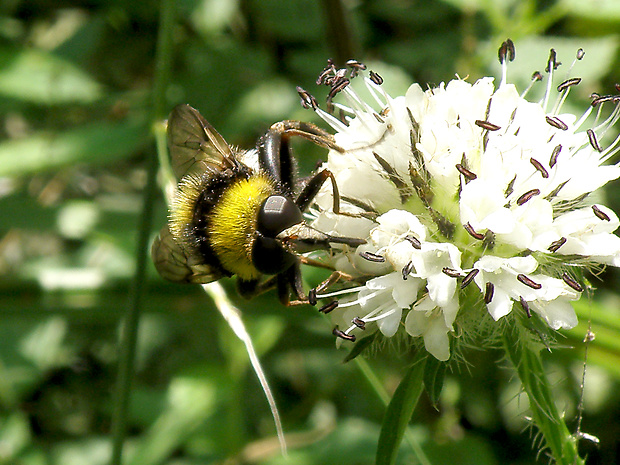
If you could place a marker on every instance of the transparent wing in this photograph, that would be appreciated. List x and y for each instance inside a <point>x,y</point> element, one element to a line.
<point>174,264</point>
<point>195,146</point>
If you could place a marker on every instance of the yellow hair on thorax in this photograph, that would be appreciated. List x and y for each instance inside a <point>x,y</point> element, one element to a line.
<point>233,224</point>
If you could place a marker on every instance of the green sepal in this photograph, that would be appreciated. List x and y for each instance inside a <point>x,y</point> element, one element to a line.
<point>360,346</point>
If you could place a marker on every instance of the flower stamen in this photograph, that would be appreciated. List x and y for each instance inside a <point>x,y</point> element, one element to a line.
<point>527,196</point>
<point>469,277</point>
<point>528,282</point>
<point>556,122</point>
<point>489,290</point>
<point>600,213</point>
<point>525,306</point>
<point>571,282</point>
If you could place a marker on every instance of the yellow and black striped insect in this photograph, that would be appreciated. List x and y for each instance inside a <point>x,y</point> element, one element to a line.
<point>239,212</point>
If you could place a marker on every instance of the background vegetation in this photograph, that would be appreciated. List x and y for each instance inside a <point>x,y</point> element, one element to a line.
<point>82,92</point>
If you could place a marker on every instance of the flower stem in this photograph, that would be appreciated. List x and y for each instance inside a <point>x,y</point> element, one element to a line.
<point>545,415</point>
<point>129,333</point>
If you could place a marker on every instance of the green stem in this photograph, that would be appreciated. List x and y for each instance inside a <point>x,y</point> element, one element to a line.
<point>130,324</point>
<point>545,415</point>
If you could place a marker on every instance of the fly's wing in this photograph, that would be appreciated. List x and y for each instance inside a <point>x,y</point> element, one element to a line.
<point>173,264</point>
<point>195,146</point>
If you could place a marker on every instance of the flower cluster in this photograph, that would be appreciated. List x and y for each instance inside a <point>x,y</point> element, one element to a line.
<point>464,185</point>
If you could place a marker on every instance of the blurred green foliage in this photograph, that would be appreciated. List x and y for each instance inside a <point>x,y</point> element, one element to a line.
<point>76,82</point>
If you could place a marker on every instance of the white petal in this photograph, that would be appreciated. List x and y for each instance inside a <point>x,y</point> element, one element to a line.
<point>436,340</point>
<point>416,323</point>
<point>558,313</point>
<point>389,324</point>
<point>501,304</point>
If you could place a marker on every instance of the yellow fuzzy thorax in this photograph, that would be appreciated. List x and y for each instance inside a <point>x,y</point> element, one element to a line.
<point>233,224</point>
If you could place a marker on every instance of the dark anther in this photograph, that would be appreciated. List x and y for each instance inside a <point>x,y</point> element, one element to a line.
<point>489,289</point>
<point>600,214</point>
<point>510,188</point>
<point>450,272</point>
<point>537,76</point>
<point>357,321</point>
<point>341,334</point>
<point>356,67</point>
<point>580,54</point>
<point>465,172</point>
<point>539,167</point>
<point>571,282</point>
<point>528,282</point>
<point>408,268</point>
<point>337,87</point>
<point>525,306</point>
<point>555,245</point>
<point>376,78</point>
<point>486,125</point>
<point>325,73</point>
<point>568,83</point>
<point>507,50</point>
<point>312,296</point>
<point>328,307</point>
<point>378,118</point>
<point>469,277</point>
<point>556,122</point>
<point>307,100</point>
<point>414,241</point>
<point>554,155</point>
<point>593,140</point>
<point>372,257</point>
<point>599,99</point>
<point>552,62</point>
<point>355,64</point>
<point>527,196</point>
<point>472,232</point>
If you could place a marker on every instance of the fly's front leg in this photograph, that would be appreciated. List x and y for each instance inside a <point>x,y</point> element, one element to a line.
<point>312,188</point>
<point>274,152</point>
<point>308,131</point>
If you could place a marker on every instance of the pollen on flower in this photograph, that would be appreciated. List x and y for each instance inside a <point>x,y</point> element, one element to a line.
<point>459,184</point>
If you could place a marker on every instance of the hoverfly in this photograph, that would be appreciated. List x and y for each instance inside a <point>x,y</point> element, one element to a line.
<point>240,212</point>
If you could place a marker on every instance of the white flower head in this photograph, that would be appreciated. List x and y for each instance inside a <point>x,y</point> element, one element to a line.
<point>464,183</point>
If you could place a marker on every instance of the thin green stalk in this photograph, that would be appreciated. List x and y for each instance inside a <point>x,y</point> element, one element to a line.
<point>130,324</point>
<point>545,415</point>
<point>372,379</point>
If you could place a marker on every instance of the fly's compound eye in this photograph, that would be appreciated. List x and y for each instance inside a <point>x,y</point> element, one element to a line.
<point>276,214</point>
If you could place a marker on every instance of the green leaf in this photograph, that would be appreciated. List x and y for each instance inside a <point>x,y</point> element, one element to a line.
<point>360,346</point>
<point>399,412</point>
<point>434,375</point>
<point>100,142</point>
<point>546,416</point>
<point>40,77</point>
